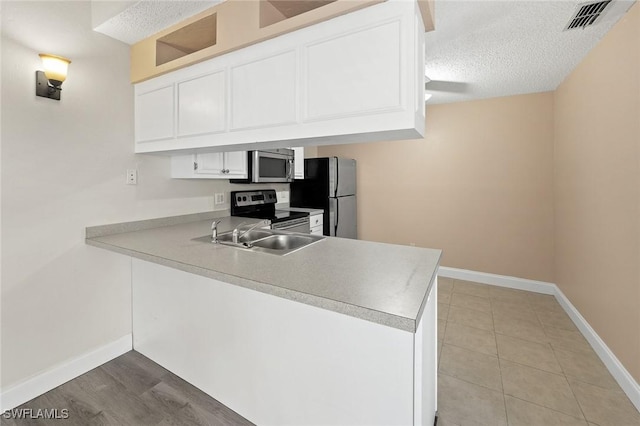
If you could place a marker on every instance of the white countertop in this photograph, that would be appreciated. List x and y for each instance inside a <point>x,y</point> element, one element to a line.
<point>383,283</point>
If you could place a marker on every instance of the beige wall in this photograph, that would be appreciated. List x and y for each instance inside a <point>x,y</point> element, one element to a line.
<point>63,168</point>
<point>479,186</point>
<point>597,189</point>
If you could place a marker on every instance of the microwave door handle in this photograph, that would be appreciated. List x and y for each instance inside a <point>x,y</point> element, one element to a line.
<point>290,170</point>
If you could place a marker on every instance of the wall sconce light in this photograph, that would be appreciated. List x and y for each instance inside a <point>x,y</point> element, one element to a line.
<point>48,82</point>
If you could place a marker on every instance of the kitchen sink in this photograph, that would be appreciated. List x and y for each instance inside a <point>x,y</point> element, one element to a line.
<point>266,241</point>
<point>253,235</point>
<point>285,242</point>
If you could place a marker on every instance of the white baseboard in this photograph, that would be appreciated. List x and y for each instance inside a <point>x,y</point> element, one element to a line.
<point>35,386</point>
<point>498,280</point>
<point>615,367</point>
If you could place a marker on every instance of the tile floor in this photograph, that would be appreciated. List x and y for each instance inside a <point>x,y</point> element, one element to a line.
<point>511,357</point>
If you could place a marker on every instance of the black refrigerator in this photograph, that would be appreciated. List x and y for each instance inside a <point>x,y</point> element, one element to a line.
<point>330,184</point>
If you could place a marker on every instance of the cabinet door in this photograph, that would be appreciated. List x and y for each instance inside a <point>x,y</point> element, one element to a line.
<point>236,164</point>
<point>299,162</point>
<point>356,73</point>
<point>216,165</point>
<point>202,105</point>
<point>316,223</point>
<point>210,164</point>
<point>263,92</point>
<point>154,114</point>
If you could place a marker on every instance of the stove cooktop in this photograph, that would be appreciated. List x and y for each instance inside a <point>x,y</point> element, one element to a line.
<point>261,204</point>
<point>275,216</point>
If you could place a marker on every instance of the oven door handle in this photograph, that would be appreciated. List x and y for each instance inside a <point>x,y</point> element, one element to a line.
<point>295,223</point>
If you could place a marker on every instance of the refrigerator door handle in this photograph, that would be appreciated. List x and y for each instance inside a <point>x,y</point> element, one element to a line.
<point>332,172</point>
<point>345,217</point>
<point>335,188</point>
<point>332,219</point>
<point>335,232</point>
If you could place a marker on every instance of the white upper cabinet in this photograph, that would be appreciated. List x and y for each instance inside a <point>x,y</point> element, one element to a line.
<point>263,92</point>
<point>202,105</point>
<point>358,77</point>
<point>356,73</point>
<point>298,161</point>
<point>210,165</point>
<point>154,114</point>
<point>235,163</point>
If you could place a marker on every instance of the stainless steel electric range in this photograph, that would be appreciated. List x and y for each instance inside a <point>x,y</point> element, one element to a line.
<point>261,204</point>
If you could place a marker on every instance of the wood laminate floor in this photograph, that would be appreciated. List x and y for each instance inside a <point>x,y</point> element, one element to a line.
<point>129,390</point>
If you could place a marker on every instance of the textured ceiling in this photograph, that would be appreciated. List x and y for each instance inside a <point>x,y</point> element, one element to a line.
<point>482,49</point>
<point>147,17</point>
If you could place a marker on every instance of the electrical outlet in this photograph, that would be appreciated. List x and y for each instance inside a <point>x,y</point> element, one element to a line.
<point>283,196</point>
<point>219,198</point>
<point>132,177</point>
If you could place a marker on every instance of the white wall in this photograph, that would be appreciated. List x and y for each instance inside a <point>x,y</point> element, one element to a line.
<point>63,168</point>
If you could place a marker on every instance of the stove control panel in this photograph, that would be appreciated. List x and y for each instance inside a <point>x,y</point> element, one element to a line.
<point>253,198</point>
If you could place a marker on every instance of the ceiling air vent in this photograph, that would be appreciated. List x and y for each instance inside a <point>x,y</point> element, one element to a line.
<point>587,14</point>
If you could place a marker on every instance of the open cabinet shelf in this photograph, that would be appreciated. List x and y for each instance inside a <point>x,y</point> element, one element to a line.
<point>274,11</point>
<point>236,24</point>
<point>187,40</point>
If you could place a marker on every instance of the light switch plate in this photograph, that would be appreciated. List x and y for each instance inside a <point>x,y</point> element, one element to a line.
<point>219,198</point>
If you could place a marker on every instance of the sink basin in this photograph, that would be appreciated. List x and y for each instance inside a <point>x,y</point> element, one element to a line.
<point>284,242</point>
<point>253,235</point>
<point>267,241</point>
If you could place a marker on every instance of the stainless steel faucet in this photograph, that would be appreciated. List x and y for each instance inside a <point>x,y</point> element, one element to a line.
<point>214,230</point>
<point>236,235</point>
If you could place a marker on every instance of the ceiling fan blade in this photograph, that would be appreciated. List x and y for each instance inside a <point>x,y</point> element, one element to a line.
<point>446,86</point>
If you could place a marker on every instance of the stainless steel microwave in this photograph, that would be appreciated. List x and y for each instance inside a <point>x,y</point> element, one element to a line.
<point>266,166</point>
